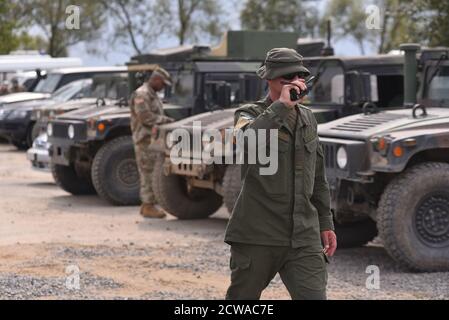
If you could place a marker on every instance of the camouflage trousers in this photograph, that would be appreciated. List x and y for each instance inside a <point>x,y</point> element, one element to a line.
<point>145,164</point>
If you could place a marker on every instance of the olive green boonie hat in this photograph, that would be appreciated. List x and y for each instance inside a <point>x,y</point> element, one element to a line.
<point>280,62</point>
<point>161,72</point>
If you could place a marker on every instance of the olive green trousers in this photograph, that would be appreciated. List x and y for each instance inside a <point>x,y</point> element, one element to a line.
<point>303,271</point>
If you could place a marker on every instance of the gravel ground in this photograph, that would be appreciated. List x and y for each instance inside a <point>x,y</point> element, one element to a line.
<point>45,233</point>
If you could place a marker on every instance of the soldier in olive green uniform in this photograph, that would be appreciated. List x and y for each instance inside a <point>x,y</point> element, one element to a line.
<point>146,111</point>
<point>280,222</point>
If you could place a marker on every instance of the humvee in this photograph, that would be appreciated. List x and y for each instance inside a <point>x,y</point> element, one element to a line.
<point>392,167</point>
<point>345,86</point>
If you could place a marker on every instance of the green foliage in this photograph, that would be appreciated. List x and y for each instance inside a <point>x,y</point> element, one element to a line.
<point>50,16</point>
<point>195,20</point>
<point>422,21</point>
<point>281,15</point>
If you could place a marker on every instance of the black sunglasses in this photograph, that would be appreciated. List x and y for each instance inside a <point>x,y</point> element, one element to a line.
<point>292,76</point>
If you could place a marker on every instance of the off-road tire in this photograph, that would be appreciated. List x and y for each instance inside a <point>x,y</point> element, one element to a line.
<point>413,217</point>
<point>67,179</point>
<point>232,184</point>
<point>172,195</point>
<point>115,174</point>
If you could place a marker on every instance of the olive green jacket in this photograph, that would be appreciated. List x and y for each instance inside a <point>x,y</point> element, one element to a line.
<point>291,207</point>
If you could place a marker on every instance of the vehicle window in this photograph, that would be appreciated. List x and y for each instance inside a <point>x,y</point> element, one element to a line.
<point>390,90</point>
<point>71,90</point>
<point>99,90</point>
<point>67,78</point>
<point>49,84</point>
<point>181,93</point>
<point>329,88</point>
<point>438,88</point>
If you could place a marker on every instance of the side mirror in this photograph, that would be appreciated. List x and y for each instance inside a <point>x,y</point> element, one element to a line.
<point>358,87</point>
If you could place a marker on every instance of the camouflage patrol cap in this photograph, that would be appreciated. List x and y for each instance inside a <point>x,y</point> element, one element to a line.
<point>161,72</point>
<point>280,62</point>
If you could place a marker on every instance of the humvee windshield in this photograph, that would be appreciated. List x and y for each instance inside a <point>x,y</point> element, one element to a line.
<point>438,88</point>
<point>49,84</point>
<point>181,93</point>
<point>329,86</point>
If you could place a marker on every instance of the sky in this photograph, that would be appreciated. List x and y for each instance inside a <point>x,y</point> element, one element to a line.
<point>119,57</point>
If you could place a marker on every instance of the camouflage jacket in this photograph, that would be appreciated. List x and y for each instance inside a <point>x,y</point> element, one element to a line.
<point>291,207</point>
<point>146,111</point>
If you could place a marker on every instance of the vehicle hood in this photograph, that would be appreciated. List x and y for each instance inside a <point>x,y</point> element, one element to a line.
<point>222,119</point>
<point>73,104</point>
<point>30,104</point>
<point>101,112</point>
<point>218,119</point>
<point>362,127</point>
<point>23,96</point>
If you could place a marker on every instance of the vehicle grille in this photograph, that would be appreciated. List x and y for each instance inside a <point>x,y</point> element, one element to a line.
<point>330,154</point>
<point>60,130</point>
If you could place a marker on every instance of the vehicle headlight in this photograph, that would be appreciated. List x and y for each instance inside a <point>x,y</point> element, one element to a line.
<point>169,140</point>
<point>2,114</point>
<point>50,129</point>
<point>342,157</point>
<point>71,131</point>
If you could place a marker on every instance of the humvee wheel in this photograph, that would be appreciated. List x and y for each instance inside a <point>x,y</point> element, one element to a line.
<point>173,194</point>
<point>231,186</point>
<point>413,217</point>
<point>355,234</point>
<point>68,180</point>
<point>115,174</point>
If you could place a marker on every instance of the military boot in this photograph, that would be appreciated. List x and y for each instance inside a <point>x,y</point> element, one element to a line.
<point>150,211</point>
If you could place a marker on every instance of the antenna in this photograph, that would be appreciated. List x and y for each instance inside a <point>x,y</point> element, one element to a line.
<point>328,50</point>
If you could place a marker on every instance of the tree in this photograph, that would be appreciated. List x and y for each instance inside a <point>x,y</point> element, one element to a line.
<point>192,20</point>
<point>12,20</point>
<point>137,23</point>
<point>348,20</point>
<point>280,15</point>
<point>51,16</point>
<point>422,21</point>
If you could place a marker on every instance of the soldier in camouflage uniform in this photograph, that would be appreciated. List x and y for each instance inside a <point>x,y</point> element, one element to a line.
<point>282,223</point>
<point>146,111</point>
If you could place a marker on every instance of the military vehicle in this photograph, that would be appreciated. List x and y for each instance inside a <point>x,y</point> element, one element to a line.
<point>86,159</point>
<point>16,109</point>
<point>105,90</point>
<point>345,86</point>
<point>392,166</point>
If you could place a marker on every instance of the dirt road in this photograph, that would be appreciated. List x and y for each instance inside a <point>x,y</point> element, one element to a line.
<point>48,238</point>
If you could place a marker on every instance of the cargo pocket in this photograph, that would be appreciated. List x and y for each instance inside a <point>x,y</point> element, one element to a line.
<point>239,261</point>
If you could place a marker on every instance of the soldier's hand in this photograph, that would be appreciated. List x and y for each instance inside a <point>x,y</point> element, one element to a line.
<point>298,85</point>
<point>329,239</point>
